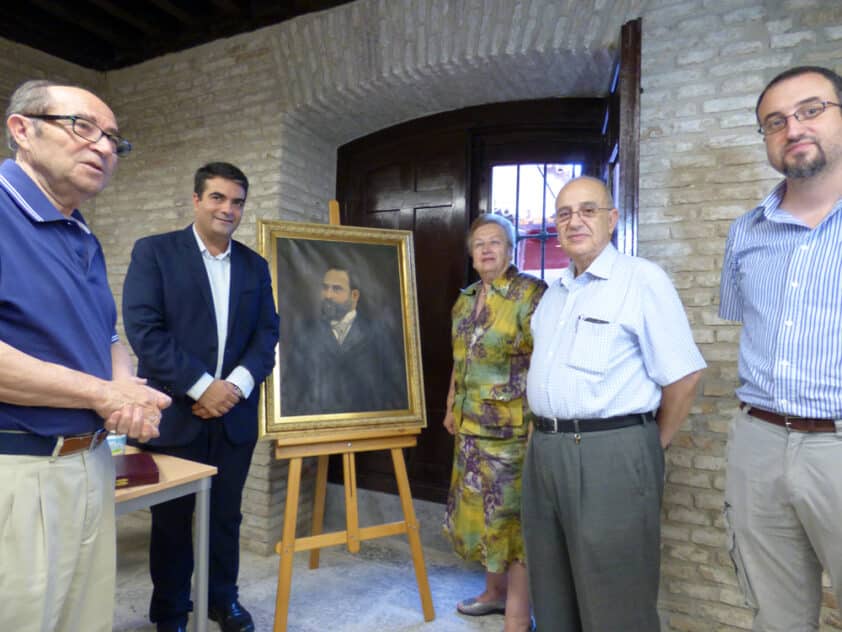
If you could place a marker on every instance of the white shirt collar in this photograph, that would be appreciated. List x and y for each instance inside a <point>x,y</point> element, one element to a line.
<point>204,249</point>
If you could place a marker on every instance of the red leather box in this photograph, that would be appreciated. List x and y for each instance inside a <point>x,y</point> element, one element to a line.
<point>135,469</point>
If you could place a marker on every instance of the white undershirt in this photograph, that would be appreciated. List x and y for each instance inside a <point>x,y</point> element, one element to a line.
<point>218,268</point>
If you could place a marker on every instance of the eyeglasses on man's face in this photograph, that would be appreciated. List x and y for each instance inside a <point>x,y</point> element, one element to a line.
<point>88,130</point>
<point>807,112</point>
<point>585,211</point>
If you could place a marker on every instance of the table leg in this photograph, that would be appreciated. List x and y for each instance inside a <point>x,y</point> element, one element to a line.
<point>202,538</point>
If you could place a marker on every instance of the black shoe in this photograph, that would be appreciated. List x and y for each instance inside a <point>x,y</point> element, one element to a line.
<point>231,617</point>
<point>171,626</point>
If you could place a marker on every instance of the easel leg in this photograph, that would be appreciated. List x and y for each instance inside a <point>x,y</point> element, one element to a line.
<point>287,545</point>
<point>413,535</point>
<point>352,518</point>
<point>319,505</point>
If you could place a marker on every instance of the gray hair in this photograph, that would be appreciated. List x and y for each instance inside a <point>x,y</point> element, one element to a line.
<point>31,97</point>
<point>492,218</point>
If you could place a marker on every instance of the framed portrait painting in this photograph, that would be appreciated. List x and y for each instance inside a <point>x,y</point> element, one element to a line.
<point>348,359</point>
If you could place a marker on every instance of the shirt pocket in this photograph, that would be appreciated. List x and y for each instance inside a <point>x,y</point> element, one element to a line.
<point>593,341</point>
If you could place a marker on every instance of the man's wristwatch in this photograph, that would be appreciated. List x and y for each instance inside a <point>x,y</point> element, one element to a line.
<point>239,392</point>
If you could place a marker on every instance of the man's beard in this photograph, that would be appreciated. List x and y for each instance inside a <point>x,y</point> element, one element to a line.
<point>331,310</point>
<point>806,168</point>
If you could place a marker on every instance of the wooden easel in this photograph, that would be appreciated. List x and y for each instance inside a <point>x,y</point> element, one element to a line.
<point>346,445</point>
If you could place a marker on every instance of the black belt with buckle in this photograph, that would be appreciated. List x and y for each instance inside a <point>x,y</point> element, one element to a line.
<point>552,424</point>
<point>26,443</point>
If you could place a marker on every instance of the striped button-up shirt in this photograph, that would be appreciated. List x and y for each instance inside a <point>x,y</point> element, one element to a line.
<point>783,281</point>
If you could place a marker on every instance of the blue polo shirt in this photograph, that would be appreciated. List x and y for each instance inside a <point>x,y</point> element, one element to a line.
<point>55,302</point>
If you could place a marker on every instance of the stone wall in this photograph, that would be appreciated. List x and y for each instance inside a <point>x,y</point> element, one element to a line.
<point>279,101</point>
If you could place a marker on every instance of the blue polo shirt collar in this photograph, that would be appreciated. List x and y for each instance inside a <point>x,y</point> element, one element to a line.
<point>31,200</point>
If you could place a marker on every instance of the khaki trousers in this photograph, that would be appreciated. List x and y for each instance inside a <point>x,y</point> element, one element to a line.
<point>783,507</point>
<point>57,542</point>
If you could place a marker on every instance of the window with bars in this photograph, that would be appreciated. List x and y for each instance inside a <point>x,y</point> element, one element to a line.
<point>525,194</point>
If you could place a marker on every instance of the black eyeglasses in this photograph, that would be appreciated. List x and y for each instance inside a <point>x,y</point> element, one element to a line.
<point>90,131</point>
<point>806,112</point>
<point>585,211</point>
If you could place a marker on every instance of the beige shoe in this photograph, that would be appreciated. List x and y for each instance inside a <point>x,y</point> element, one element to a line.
<point>475,608</point>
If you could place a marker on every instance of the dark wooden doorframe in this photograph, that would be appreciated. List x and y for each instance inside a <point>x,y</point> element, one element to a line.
<point>623,135</point>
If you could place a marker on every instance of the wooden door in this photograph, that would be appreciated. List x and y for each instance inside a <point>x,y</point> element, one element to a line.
<point>416,183</point>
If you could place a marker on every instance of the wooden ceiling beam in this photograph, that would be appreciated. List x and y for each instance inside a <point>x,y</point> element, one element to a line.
<point>227,6</point>
<point>177,12</point>
<point>77,19</point>
<point>137,21</point>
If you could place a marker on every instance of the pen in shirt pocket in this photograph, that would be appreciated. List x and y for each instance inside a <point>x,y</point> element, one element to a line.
<point>589,319</point>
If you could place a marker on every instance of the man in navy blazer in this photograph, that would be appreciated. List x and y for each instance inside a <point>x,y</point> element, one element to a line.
<point>199,313</point>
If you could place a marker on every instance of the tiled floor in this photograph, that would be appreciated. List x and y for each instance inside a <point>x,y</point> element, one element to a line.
<point>373,591</point>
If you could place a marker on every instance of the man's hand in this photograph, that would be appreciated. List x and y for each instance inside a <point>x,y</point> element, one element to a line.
<point>130,407</point>
<point>219,398</point>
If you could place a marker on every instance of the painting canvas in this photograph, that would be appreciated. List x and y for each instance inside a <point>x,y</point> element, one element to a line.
<point>348,357</point>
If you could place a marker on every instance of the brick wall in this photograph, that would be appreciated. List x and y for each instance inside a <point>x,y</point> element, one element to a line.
<point>279,101</point>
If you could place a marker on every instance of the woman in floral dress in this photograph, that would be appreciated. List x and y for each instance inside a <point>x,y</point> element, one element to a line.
<point>489,416</point>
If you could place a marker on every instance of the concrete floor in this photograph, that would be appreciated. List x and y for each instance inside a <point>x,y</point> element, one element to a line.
<point>373,591</point>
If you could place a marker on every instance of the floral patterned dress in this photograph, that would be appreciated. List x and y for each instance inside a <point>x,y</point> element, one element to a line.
<point>490,358</point>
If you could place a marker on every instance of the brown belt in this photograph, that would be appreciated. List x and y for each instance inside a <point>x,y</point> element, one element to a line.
<point>79,443</point>
<point>799,424</point>
<point>26,443</point>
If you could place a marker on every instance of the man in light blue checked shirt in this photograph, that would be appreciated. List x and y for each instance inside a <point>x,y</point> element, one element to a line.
<point>613,375</point>
<point>782,278</point>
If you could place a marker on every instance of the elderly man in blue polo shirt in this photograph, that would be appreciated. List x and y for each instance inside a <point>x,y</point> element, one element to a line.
<point>613,375</point>
<point>64,376</point>
<point>782,278</point>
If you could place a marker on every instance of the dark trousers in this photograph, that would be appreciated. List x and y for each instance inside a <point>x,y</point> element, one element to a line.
<point>171,547</point>
<point>591,525</point>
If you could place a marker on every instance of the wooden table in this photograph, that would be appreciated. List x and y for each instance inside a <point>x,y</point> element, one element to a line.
<point>177,478</point>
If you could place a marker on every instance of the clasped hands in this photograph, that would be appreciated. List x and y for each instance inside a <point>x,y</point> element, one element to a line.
<point>219,398</point>
<point>132,408</point>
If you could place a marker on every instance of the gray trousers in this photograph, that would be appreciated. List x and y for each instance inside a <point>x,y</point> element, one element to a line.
<point>591,525</point>
<point>783,508</point>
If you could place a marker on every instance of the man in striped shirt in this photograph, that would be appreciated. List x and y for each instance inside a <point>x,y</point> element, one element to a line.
<point>782,278</point>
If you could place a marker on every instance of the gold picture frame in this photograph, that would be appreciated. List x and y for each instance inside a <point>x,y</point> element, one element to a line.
<point>371,384</point>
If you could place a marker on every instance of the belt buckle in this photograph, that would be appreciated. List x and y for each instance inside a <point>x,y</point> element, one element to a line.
<point>577,435</point>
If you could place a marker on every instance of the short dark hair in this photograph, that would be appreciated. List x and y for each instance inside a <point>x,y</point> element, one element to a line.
<point>828,74</point>
<point>352,278</point>
<point>219,170</point>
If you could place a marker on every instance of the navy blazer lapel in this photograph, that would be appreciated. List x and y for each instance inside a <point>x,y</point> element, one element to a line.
<point>196,267</point>
<point>238,280</point>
